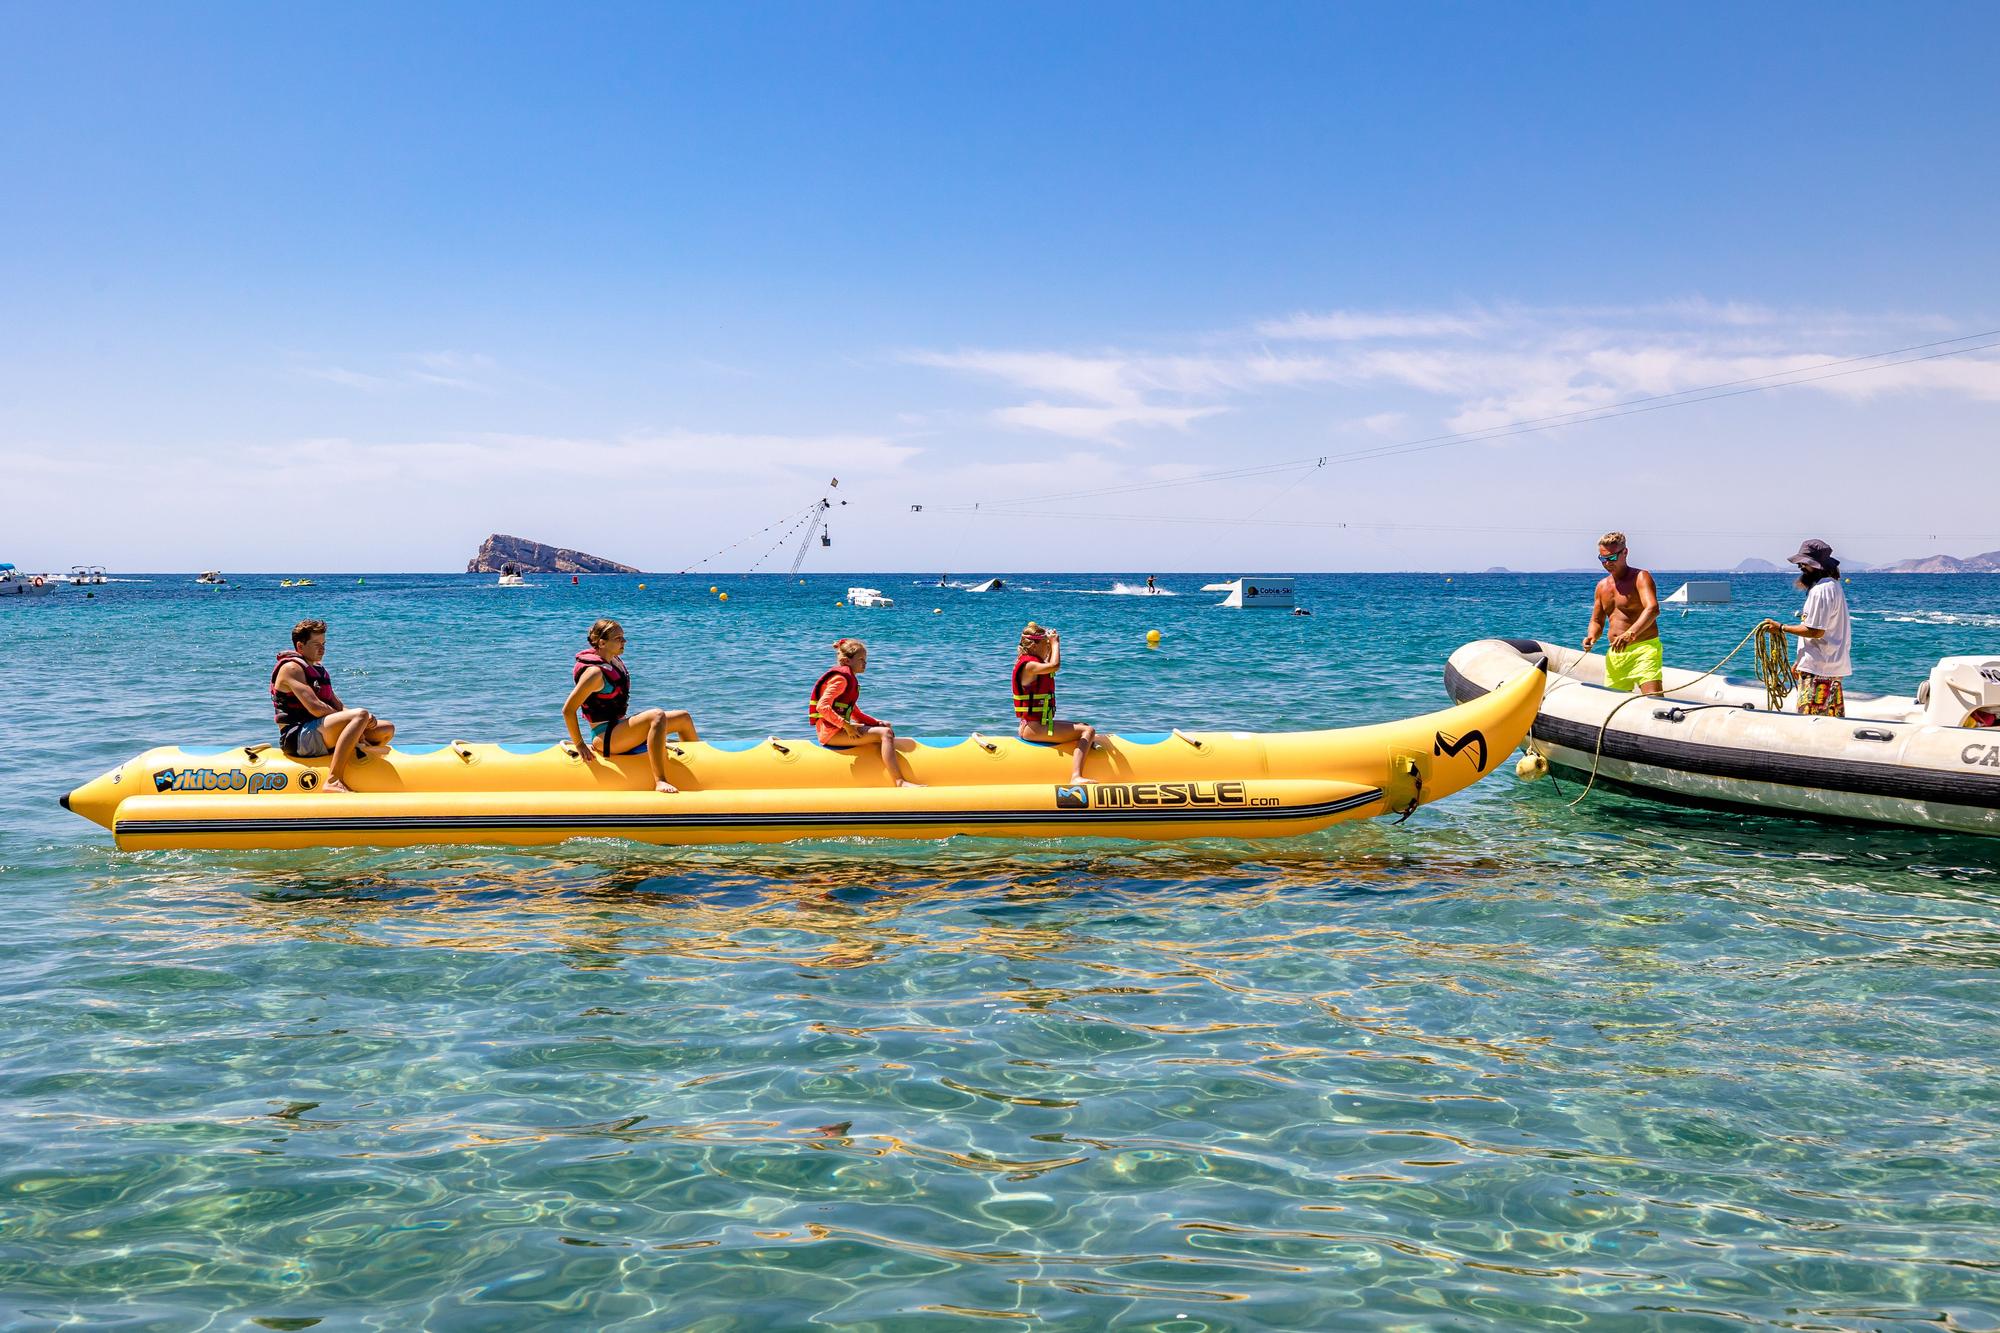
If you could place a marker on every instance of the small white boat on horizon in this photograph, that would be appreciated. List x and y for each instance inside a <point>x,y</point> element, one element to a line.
<point>511,578</point>
<point>213,578</point>
<point>869,597</point>
<point>990,585</point>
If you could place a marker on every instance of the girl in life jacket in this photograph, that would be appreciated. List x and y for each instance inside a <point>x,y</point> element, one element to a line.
<point>1035,697</point>
<point>602,690</point>
<point>834,710</point>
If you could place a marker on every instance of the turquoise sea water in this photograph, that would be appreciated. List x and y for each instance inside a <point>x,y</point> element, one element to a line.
<point>1628,1066</point>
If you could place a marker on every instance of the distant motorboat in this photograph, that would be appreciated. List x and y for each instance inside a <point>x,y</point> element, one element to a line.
<point>510,577</point>
<point>991,585</point>
<point>869,597</point>
<point>13,583</point>
<point>295,583</point>
<point>213,578</point>
<point>90,575</point>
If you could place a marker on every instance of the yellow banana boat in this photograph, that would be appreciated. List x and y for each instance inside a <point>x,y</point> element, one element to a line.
<point>1164,785</point>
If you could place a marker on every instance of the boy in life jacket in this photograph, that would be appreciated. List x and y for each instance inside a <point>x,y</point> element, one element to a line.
<point>835,713</point>
<point>312,721</point>
<point>1035,696</point>
<point>602,690</point>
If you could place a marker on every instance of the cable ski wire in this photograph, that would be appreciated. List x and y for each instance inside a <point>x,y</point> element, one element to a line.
<point>1206,521</point>
<point>793,519</point>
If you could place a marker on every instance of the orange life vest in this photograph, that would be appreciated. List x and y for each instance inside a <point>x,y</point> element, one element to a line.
<point>843,706</point>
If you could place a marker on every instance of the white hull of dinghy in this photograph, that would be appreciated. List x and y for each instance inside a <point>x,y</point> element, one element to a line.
<point>1714,741</point>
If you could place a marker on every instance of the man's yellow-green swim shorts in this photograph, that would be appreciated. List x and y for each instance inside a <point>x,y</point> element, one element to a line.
<point>1630,667</point>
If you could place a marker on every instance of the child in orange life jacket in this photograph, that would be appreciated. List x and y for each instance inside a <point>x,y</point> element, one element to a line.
<point>1035,696</point>
<point>834,710</point>
<point>603,691</point>
<point>312,721</point>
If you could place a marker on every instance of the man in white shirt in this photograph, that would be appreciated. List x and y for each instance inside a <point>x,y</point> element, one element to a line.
<point>1823,663</point>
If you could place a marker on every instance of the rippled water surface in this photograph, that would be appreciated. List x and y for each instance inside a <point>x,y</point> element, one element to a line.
<point>1506,1065</point>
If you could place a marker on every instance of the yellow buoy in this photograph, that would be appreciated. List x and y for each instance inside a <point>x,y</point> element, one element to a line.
<point>838,605</point>
<point>711,587</point>
<point>642,587</point>
<point>937,610</point>
<point>1152,638</point>
<point>725,597</point>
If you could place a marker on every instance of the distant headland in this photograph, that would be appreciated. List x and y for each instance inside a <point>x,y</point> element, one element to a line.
<point>1985,563</point>
<point>499,551</point>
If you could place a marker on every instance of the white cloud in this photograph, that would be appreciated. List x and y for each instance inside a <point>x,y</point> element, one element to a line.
<point>1485,367</point>
<point>635,458</point>
<point>1360,325</point>
<point>467,371</point>
<point>1098,423</point>
<point>352,379</point>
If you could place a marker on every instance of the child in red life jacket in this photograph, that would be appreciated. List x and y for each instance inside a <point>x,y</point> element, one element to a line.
<point>603,692</point>
<point>1035,696</point>
<point>834,710</point>
<point>312,721</point>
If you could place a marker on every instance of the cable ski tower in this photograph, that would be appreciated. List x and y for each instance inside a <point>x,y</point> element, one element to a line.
<point>816,528</point>
<point>814,519</point>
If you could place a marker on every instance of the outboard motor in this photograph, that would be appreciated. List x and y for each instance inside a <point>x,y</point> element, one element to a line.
<point>1961,686</point>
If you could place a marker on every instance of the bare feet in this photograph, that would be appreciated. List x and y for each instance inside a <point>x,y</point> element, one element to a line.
<point>667,788</point>
<point>335,784</point>
<point>373,751</point>
<point>905,782</point>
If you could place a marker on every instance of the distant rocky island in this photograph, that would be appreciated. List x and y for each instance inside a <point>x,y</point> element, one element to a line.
<point>498,552</point>
<point>1753,565</point>
<point>1986,563</point>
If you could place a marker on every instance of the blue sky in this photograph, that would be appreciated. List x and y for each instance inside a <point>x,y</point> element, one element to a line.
<point>638,278</point>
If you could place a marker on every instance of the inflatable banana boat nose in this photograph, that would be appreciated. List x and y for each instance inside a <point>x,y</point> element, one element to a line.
<point>1163,785</point>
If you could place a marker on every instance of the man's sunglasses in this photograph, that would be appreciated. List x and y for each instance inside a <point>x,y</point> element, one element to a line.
<point>1611,559</point>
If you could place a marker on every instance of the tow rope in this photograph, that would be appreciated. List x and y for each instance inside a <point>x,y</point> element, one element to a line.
<point>1774,669</point>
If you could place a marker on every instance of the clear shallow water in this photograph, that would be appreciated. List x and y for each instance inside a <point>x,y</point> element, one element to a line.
<point>1629,1065</point>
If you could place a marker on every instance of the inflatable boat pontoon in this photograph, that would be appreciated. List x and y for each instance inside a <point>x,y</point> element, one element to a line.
<point>1713,740</point>
<point>1165,785</point>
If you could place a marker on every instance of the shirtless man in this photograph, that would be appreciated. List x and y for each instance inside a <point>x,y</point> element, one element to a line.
<point>1627,597</point>
<point>312,721</point>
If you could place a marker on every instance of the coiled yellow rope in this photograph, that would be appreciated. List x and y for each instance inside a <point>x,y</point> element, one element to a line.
<point>1774,668</point>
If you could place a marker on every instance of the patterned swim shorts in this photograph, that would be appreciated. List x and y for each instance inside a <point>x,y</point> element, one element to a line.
<point>1821,696</point>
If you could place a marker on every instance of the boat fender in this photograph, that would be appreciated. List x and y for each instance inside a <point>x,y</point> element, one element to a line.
<point>1532,768</point>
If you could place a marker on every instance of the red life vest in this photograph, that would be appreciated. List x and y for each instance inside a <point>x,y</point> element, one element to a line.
<point>1034,699</point>
<point>843,706</point>
<point>285,706</point>
<point>608,704</point>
